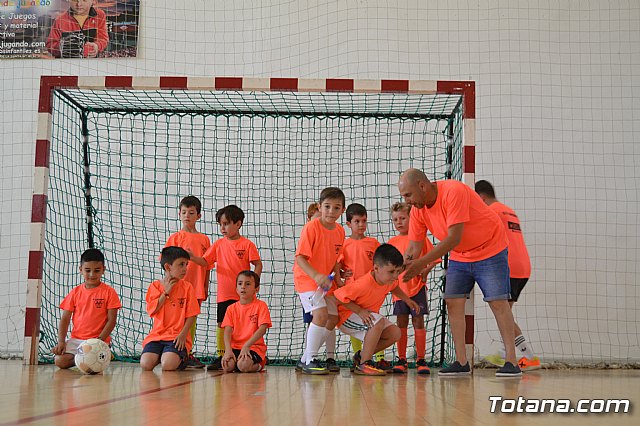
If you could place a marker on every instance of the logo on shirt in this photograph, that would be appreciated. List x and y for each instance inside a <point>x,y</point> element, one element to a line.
<point>369,255</point>
<point>181,301</point>
<point>98,303</point>
<point>253,318</point>
<point>240,253</point>
<point>338,247</point>
<point>515,227</point>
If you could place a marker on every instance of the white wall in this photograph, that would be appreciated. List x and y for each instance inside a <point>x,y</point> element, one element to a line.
<point>558,112</point>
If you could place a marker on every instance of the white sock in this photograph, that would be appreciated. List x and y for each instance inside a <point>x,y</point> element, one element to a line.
<point>330,342</point>
<point>523,348</point>
<point>315,338</point>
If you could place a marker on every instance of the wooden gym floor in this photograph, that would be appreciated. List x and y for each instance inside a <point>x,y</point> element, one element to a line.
<point>125,395</point>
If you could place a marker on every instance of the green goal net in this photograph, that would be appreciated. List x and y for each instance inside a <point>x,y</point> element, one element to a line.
<point>121,160</point>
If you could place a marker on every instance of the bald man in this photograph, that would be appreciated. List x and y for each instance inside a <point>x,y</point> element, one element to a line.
<point>477,243</point>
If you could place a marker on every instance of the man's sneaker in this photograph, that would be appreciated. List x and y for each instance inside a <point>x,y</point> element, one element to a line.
<point>216,365</point>
<point>400,367</point>
<point>495,359</point>
<point>314,367</point>
<point>528,364</point>
<point>332,365</point>
<point>192,363</point>
<point>456,369</point>
<point>509,370</point>
<point>422,367</point>
<point>384,365</point>
<point>368,369</point>
<point>357,359</point>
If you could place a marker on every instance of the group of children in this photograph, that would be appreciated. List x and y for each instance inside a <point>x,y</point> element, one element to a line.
<point>356,274</point>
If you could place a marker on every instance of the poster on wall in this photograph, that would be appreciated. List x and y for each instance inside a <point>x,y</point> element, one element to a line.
<point>68,28</point>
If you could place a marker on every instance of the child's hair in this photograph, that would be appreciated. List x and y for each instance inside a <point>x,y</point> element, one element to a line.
<point>231,212</point>
<point>311,210</point>
<point>484,187</point>
<point>355,209</point>
<point>332,193</point>
<point>92,255</point>
<point>171,254</point>
<point>251,274</point>
<point>401,207</point>
<point>388,254</point>
<point>191,201</point>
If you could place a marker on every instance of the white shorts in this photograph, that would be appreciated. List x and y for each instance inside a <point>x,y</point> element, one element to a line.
<point>305,299</point>
<point>354,325</point>
<point>72,346</point>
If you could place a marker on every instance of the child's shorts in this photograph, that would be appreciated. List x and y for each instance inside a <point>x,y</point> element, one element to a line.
<point>257,359</point>
<point>221,309</point>
<point>160,347</point>
<point>401,308</point>
<point>354,325</point>
<point>330,304</point>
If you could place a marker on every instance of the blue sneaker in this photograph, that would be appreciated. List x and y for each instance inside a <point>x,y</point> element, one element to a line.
<point>456,369</point>
<point>509,370</point>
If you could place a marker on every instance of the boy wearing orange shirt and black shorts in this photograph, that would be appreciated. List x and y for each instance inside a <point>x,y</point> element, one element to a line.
<point>319,248</point>
<point>359,306</point>
<point>92,308</point>
<point>195,243</point>
<point>245,325</point>
<point>416,290</point>
<point>230,255</point>
<point>173,306</point>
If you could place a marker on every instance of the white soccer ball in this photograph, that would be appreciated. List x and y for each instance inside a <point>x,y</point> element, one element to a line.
<point>93,356</point>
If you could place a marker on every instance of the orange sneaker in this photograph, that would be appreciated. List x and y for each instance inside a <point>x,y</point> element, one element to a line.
<point>368,369</point>
<point>400,367</point>
<point>528,364</point>
<point>422,367</point>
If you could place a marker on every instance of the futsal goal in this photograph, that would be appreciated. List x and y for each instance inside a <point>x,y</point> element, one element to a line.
<point>114,156</point>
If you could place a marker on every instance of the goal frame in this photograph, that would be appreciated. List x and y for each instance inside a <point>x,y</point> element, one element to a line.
<point>44,133</point>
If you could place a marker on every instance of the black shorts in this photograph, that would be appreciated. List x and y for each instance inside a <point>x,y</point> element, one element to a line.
<point>517,284</point>
<point>222,309</point>
<point>257,359</point>
<point>160,347</point>
<point>401,308</point>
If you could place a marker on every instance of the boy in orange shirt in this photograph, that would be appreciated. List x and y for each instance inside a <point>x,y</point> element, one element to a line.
<point>319,248</point>
<point>92,307</point>
<point>172,305</point>
<point>195,243</point>
<point>245,325</point>
<point>359,306</point>
<point>313,212</point>
<point>519,272</point>
<point>357,260</point>
<point>230,254</point>
<point>415,289</point>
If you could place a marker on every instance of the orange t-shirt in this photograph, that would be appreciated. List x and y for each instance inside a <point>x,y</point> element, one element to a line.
<point>245,320</point>
<point>358,256</point>
<point>411,288</point>
<point>170,318</point>
<point>230,257</point>
<point>198,243</point>
<point>322,247</point>
<point>483,234</point>
<point>364,292</point>
<point>519,263</point>
<point>89,307</point>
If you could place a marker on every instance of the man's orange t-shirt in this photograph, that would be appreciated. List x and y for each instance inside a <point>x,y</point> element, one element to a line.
<point>483,235</point>
<point>364,292</point>
<point>358,256</point>
<point>198,243</point>
<point>411,288</point>
<point>89,307</point>
<point>519,263</point>
<point>170,318</point>
<point>245,320</point>
<point>230,257</point>
<point>322,247</point>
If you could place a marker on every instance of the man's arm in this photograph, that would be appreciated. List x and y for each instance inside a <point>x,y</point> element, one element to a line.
<point>414,267</point>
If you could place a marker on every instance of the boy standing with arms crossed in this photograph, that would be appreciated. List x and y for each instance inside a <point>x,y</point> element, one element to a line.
<point>195,243</point>
<point>173,306</point>
<point>92,307</point>
<point>230,255</point>
<point>319,248</point>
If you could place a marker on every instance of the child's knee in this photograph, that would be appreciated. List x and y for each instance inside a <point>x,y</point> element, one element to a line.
<point>246,365</point>
<point>320,317</point>
<point>170,361</point>
<point>63,361</point>
<point>230,366</point>
<point>392,332</point>
<point>418,321</point>
<point>332,321</point>
<point>403,321</point>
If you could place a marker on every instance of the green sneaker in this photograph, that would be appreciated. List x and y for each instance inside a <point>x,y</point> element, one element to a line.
<point>495,359</point>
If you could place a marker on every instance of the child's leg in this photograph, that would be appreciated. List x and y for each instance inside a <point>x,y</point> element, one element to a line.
<point>149,360</point>
<point>330,341</point>
<point>219,340</point>
<point>170,361</point>
<point>403,323</point>
<point>65,360</point>
<point>379,337</point>
<point>316,334</point>
<point>229,366</point>
<point>248,365</point>
<point>420,335</point>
